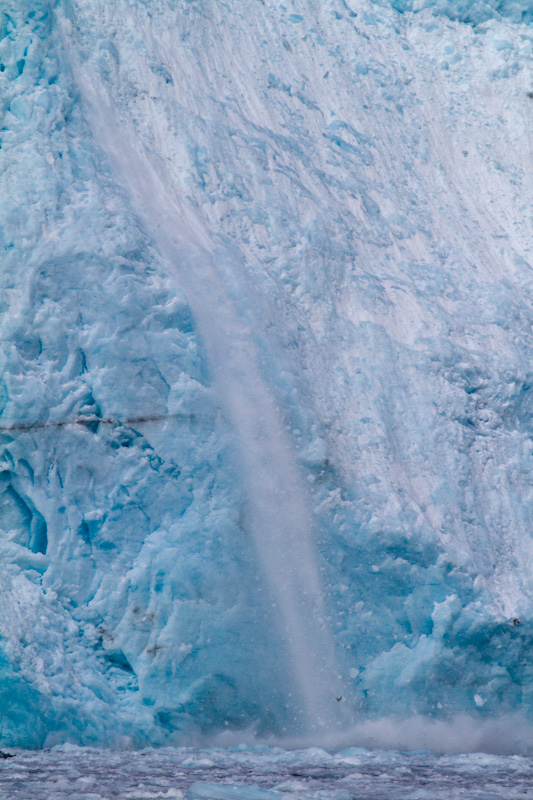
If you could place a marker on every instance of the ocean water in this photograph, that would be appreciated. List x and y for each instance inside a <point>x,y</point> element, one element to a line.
<point>241,773</point>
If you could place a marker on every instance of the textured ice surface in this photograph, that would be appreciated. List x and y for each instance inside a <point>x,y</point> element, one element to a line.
<point>265,774</point>
<point>473,12</point>
<point>266,324</point>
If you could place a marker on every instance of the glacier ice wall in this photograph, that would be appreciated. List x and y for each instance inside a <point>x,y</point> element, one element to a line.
<point>317,215</point>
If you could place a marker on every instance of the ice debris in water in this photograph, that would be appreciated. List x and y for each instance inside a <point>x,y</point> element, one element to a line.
<point>267,774</point>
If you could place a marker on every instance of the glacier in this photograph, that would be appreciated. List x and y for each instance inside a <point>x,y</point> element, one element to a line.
<point>266,419</point>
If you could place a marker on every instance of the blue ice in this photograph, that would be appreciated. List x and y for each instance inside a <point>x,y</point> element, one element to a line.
<point>266,437</point>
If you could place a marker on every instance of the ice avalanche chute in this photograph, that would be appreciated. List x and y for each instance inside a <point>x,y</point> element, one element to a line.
<point>276,503</point>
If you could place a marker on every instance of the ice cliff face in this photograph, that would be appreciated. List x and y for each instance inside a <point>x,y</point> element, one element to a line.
<point>267,411</point>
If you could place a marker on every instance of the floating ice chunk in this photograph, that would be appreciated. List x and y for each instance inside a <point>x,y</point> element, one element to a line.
<point>221,791</point>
